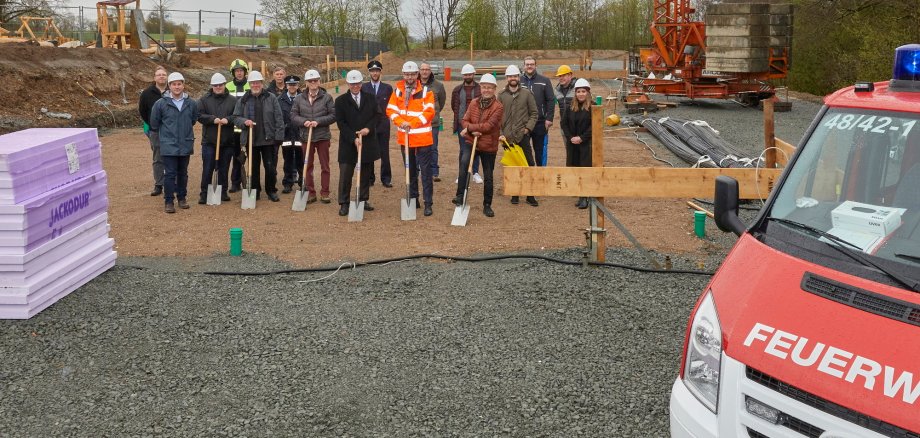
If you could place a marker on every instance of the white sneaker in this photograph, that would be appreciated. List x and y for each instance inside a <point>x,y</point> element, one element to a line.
<point>477,179</point>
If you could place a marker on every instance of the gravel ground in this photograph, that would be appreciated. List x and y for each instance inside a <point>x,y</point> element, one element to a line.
<point>154,347</point>
<point>421,348</point>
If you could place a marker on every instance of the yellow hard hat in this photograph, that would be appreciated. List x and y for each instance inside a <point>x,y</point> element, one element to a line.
<point>563,70</point>
<point>238,63</point>
<point>613,120</point>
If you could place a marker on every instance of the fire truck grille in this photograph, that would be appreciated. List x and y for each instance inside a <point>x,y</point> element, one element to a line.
<point>755,434</point>
<point>862,299</point>
<point>829,407</point>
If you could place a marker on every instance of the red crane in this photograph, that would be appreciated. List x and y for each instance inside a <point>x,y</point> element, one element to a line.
<point>677,58</point>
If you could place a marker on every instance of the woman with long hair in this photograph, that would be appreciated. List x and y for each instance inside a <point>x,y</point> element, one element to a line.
<point>576,131</point>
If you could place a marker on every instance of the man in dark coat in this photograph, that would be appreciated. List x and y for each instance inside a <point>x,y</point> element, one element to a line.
<point>215,109</point>
<point>150,96</point>
<point>357,114</point>
<point>381,92</point>
<point>259,111</point>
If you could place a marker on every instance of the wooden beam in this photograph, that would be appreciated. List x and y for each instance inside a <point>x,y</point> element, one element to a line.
<point>633,182</point>
<point>769,143</point>
<point>788,150</point>
<point>597,161</point>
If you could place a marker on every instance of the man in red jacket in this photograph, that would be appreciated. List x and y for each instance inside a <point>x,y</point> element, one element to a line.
<point>483,121</point>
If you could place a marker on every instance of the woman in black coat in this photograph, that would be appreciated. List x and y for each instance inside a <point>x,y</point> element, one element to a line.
<point>576,129</point>
<point>356,112</point>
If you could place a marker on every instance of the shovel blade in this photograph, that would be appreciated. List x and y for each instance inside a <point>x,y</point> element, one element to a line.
<point>356,211</point>
<point>300,201</point>
<point>214,194</point>
<point>461,214</point>
<point>249,199</point>
<point>407,209</point>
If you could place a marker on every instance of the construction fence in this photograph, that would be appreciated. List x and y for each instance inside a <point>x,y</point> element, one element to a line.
<point>204,28</point>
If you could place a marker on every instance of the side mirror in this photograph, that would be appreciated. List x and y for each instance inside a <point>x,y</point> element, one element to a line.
<point>726,206</point>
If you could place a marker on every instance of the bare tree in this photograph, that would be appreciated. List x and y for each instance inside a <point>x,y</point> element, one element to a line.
<point>443,16</point>
<point>393,10</point>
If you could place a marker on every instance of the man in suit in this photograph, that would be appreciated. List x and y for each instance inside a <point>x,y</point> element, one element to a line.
<point>381,92</point>
<point>357,115</point>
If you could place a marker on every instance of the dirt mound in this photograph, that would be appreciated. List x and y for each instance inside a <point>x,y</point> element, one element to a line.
<point>221,59</point>
<point>95,86</point>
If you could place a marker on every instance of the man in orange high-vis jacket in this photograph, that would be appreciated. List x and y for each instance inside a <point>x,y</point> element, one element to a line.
<point>411,108</point>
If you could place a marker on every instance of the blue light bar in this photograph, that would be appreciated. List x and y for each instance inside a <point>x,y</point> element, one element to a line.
<point>907,63</point>
<point>905,75</point>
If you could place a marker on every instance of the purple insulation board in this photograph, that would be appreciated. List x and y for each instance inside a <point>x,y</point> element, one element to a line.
<point>17,270</point>
<point>34,161</point>
<point>26,226</point>
<point>57,282</point>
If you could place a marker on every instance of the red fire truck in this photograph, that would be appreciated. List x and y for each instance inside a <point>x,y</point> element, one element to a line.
<point>811,326</point>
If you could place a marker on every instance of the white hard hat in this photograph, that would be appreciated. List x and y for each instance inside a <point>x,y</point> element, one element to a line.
<point>218,79</point>
<point>468,69</point>
<point>512,70</point>
<point>175,76</point>
<point>410,67</point>
<point>582,83</point>
<point>354,77</point>
<point>311,74</point>
<point>488,79</point>
<point>255,76</point>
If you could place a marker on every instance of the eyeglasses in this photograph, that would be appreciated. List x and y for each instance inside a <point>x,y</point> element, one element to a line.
<point>425,69</point>
<point>312,80</point>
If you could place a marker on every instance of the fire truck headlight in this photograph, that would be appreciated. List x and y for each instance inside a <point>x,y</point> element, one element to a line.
<point>704,355</point>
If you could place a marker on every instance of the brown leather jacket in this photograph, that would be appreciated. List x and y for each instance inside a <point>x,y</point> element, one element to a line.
<point>488,121</point>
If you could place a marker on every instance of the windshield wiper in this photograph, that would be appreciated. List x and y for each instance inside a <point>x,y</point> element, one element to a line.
<point>908,257</point>
<point>855,255</point>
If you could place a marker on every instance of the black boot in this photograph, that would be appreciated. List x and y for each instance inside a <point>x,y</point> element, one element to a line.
<point>487,210</point>
<point>157,190</point>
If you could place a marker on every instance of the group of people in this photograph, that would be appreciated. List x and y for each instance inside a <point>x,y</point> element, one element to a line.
<point>245,119</point>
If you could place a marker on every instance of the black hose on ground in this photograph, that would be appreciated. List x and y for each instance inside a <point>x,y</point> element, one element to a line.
<point>461,259</point>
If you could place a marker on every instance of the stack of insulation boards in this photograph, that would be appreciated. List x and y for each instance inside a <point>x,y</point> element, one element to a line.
<point>739,36</point>
<point>54,231</point>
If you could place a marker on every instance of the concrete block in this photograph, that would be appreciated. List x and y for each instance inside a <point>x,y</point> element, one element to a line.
<point>781,41</point>
<point>779,30</point>
<point>784,9</point>
<point>738,8</point>
<point>737,31</point>
<point>738,42</point>
<point>736,20</point>
<point>737,53</point>
<point>781,20</point>
<point>732,65</point>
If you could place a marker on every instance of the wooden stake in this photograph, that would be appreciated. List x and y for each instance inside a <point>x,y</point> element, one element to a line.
<point>769,134</point>
<point>597,160</point>
<point>328,68</point>
<point>696,206</point>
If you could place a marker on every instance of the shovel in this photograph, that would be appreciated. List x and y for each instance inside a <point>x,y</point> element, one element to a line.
<point>300,198</point>
<point>356,208</point>
<point>249,194</point>
<point>462,211</point>
<point>214,189</point>
<point>407,206</point>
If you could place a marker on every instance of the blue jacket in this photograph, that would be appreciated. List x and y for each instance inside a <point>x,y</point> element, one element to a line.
<point>173,127</point>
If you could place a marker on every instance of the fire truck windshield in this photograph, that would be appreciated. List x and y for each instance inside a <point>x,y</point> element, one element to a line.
<point>858,178</point>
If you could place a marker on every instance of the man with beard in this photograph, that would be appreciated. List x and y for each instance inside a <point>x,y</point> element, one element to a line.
<point>520,116</point>
<point>483,120</point>
<point>542,90</point>
<point>460,99</point>
<point>381,92</point>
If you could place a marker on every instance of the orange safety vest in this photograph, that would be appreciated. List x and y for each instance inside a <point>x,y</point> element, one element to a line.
<point>418,110</point>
